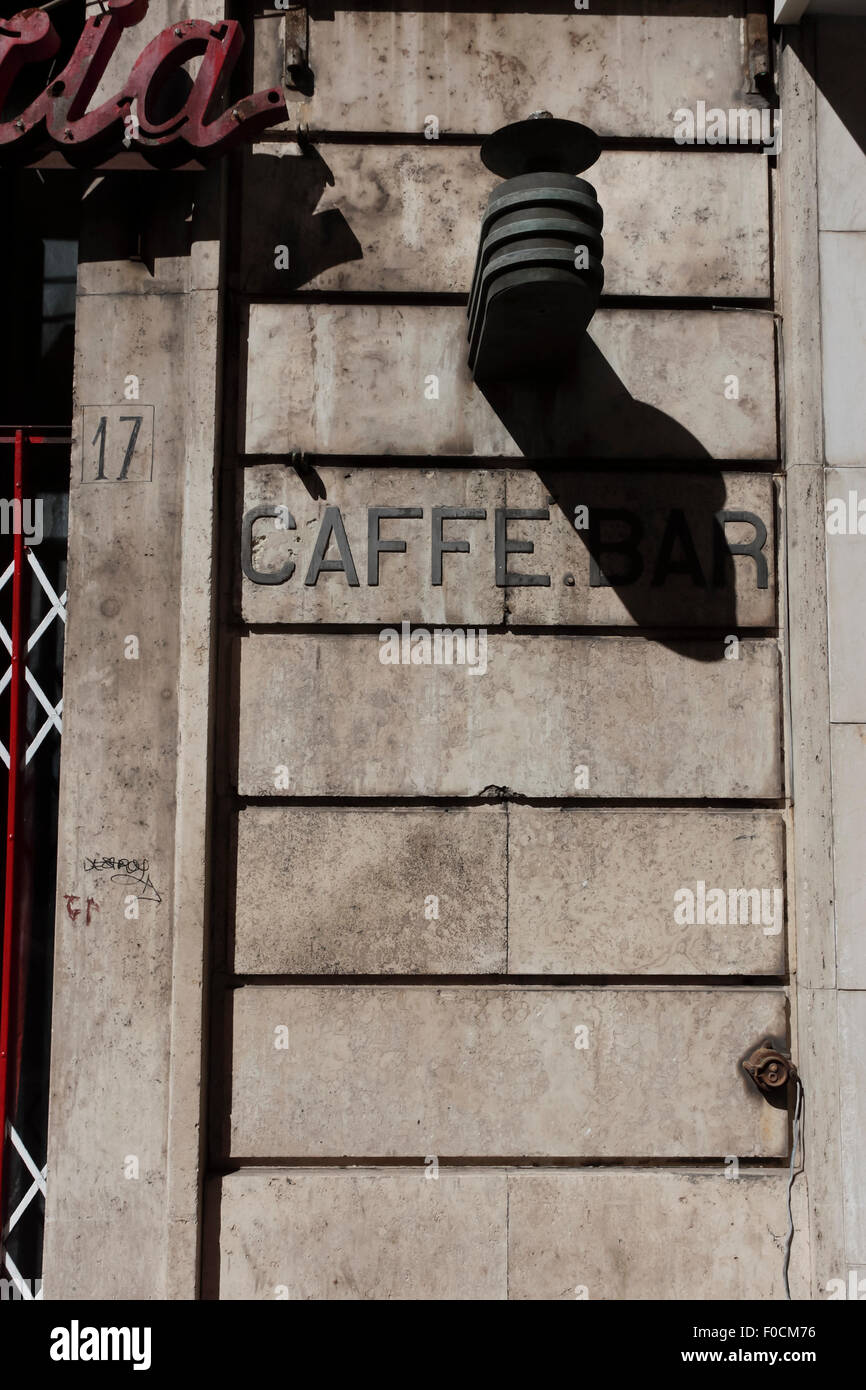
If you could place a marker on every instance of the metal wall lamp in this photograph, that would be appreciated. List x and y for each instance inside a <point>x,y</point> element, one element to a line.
<point>538,273</point>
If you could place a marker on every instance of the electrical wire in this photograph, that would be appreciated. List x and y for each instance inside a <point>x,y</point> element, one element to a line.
<point>794,1149</point>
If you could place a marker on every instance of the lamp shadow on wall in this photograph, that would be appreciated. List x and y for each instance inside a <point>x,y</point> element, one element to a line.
<point>587,425</point>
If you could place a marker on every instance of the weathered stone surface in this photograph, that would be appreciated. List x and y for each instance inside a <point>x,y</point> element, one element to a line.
<point>642,718</point>
<point>845,490</point>
<point>589,892</point>
<point>623,74</point>
<point>343,891</point>
<point>405,218</point>
<point>396,1233</point>
<point>117,1004</point>
<point>810,862</point>
<point>670,513</point>
<point>843,344</point>
<point>848,756</point>
<point>852,1076</point>
<point>621,1235</point>
<point>494,1071</point>
<point>386,1234</point>
<point>594,891</point>
<point>647,383</point>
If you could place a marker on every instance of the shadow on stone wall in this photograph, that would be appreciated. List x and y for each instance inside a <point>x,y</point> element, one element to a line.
<point>836,64</point>
<point>650,487</point>
<point>146,216</point>
<point>576,427</point>
<point>280,196</point>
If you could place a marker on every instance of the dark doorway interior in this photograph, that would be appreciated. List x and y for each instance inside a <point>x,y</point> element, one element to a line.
<point>39,216</point>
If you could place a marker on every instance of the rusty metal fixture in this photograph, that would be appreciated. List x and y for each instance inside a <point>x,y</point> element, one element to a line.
<point>538,274</point>
<point>769,1068</point>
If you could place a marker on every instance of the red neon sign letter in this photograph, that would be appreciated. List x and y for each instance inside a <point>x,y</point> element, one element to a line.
<point>59,116</point>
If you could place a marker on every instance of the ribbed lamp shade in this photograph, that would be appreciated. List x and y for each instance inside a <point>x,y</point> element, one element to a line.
<point>538,273</point>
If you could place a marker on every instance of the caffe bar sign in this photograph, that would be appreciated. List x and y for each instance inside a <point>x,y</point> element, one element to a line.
<point>615,533</point>
<point>59,118</point>
<point>346,544</point>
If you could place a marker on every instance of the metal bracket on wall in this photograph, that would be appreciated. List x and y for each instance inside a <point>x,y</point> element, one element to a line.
<point>758,82</point>
<point>296,39</point>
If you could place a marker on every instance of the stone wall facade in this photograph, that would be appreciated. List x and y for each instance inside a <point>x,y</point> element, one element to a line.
<point>440,975</point>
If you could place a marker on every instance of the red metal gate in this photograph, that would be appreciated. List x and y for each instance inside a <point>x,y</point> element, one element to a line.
<point>34,610</point>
